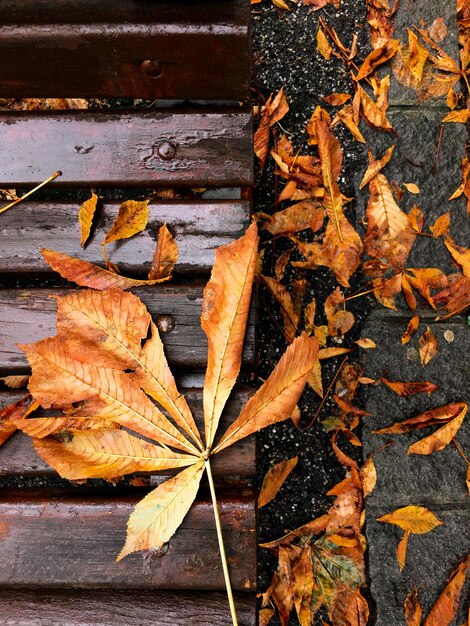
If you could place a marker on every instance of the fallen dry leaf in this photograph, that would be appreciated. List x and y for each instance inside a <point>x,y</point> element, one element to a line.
<point>132,218</point>
<point>85,217</point>
<point>410,330</point>
<point>274,479</point>
<point>374,167</point>
<point>413,609</point>
<point>166,255</point>
<point>366,344</point>
<point>444,611</point>
<point>428,346</point>
<point>409,388</point>
<point>440,438</point>
<point>340,321</point>
<point>274,110</point>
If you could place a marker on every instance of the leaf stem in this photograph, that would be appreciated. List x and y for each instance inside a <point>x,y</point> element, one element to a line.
<point>223,556</point>
<point>26,195</point>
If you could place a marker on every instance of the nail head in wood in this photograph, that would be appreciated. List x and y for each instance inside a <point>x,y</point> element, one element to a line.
<point>165,323</point>
<point>166,150</point>
<point>151,68</point>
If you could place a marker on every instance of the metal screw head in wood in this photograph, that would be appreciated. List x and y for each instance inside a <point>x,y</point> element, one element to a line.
<point>166,150</point>
<point>151,68</point>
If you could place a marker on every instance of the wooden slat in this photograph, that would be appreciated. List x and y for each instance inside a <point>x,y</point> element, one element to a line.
<point>50,541</point>
<point>29,315</point>
<point>18,457</point>
<point>199,228</point>
<point>122,608</point>
<point>91,48</point>
<point>212,148</point>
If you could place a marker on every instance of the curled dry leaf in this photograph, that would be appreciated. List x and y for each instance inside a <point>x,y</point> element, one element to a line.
<point>305,214</point>
<point>428,418</point>
<point>274,479</point>
<point>274,110</point>
<point>323,44</point>
<point>132,218</point>
<point>337,99</point>
<point>166,255</point>
<point>85,217</point>
<point>444,611</point>
<point>374,167</point>
<point>289,313</point>
<point>405,389</point>
<point>89,275</point>
<point>428,346</point>
<point>340,321</point>
<point>377,57</point>
<point>15,382</point>
<point>410,330</point>
<point>440,438</point>
<point>413,609</point>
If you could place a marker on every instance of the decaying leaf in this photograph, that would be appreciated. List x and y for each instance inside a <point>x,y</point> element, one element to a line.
<point>374,167</point>
<point>409,388</point>
<point>428,346</point>
<point>85,217</point>
<point>274,110</point>
<point>274,479</point>
<point>166,255</point>
<point>340,321</point>
<point>410,330</point>
<point>440,438</point>
<point>444,611</point>
<point>413,609</point>
<point>15,381</point>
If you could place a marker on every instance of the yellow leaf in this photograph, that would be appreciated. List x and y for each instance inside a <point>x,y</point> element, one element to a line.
<point>375,166</point>
<point>428,346</point>
<point>105,453</point>
<point>274,479</point>
<point>368,475</point>
<point>277,397</point>
<point>418,55</point>
<point>290,315</point>
<point>15,381</point>
<point>377,57</point>
<point>410,330</point>
<point>460,255</point>
<point>323,45</point>
<point>89,275</point>
<point>225,309</point>
<point>366,344</point>
<point>401,550</point>
<point>414,519</point>
<point>315,379</point>
<point>440,438</point>
<point>156,518</point>
<point>85,217</point>
<point>132,218</point>
<point>412,188</point>
<point>444,611</point>
<point>462,116</point>
<point>166,255</point>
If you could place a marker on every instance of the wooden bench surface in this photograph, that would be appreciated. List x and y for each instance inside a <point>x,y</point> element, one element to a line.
<point>60,540</point>
<point>199,227</point>
<point>90,48</point>
<point>18,457</point>
<point>29,315</point>
<point>174,147</point>
<point>75,607</point>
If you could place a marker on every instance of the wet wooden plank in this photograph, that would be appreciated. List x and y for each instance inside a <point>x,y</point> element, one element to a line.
<point>29,315</point>
<point>18,457</point>
<point>194,50</point>
<point>199,227</point>
<point>122,608</point>
<point>57,540</point>
<point>200,147</point>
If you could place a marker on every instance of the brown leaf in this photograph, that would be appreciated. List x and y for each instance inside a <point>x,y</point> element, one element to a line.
<point>441,226</point>
<point>438,30</point>
<point>413,610</point>
<point>340,321</point>
<point>411,187</point>
<point>414,519</point>
<point>156,518</point>
<point>377,57</point>
<point>389,233</point>
<point>337,99</point>
<point>418,56</point>
<point>277,397</point>
<point>368,475</point>
<point>265,615</point>
<point>410,330</point>
<point>460,255</point>
<point>428,418</point>
<point>374,167</point>
<point>132,218</point>
<point>323,44</point>
<point>16,381</point>
<point>274,110</point>
<point>304,214</point>
<point>329,353</point>
<point>428,346</point>
<point>440,438</point>
<point>85,217</point>
<point>408,389</point>
<point>225,309</point>
<point>373,115</point>
<point>274,479</point>
<point>315,378</point>
<point>89,275</point>
<point>8,415</point>
<point>461,116</point>
<point>366,344</point>
<point>444,611</point>
<point>166,255</point>
<point>290,315</point>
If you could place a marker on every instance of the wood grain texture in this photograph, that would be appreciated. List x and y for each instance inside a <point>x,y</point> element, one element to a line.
<point>18,457</point>
<point>123,608</point>
<point>199,228</point>
<point>213,147</point>
<point>92,48</point>
<point>29,315</point>
<point>64,541</point>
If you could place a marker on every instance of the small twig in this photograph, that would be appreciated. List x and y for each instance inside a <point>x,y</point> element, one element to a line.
<point>327,392</point>
<point>438,148</point>
<point>460,451</point>
<point>223,556</point>
<point>26,195</point>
